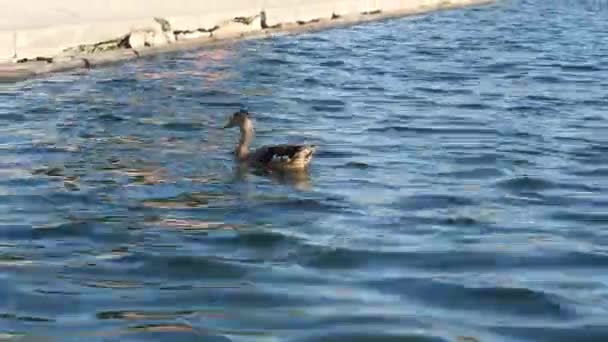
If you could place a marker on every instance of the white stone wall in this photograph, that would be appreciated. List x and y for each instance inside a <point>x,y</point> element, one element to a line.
<point>36,28</point>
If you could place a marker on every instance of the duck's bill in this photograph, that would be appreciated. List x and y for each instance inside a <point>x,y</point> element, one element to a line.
<point>228,125</point>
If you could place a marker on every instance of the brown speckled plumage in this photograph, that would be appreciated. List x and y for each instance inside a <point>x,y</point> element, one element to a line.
<point>281,157</point>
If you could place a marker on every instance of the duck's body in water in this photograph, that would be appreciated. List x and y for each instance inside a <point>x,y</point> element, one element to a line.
<point>285,157</point>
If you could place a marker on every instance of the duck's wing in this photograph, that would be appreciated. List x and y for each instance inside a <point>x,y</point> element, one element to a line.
<point>283,153</point>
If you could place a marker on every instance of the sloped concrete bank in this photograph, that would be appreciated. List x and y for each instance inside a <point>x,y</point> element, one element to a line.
<point>102,32</point>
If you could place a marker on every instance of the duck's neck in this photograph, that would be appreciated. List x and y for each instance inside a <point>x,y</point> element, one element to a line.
<point>242,150</point>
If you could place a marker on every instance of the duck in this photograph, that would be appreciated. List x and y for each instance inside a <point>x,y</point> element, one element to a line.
<point>284,157</point>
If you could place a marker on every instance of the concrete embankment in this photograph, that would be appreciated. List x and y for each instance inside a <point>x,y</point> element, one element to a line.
<point>51,36</point>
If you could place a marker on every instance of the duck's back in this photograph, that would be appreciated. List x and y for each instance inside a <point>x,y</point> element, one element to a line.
<point>284,156</point>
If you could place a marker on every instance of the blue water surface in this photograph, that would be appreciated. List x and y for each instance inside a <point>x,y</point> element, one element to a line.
<point>459,192</point>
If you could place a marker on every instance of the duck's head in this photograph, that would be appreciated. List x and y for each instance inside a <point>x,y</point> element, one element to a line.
<point>241,118</point>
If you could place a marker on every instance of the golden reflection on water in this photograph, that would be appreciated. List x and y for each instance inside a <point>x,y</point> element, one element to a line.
<point>204,57</point>
<point>147,177</point>
<point>163,328</point>
<point>114,284</point>
<point>191,225</point>
<point>300,179</point>
<point>190,200</point>
<point>202,61</point>
<point>138,329</point>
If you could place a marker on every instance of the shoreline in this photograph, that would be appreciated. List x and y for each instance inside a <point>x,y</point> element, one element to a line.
<point>12,72</point>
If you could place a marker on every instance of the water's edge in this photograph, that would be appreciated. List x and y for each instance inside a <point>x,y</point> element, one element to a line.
<point>15,72</point>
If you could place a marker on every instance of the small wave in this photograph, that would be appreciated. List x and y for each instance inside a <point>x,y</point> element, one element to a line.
<point>550,79</point>
<point>220,103</point>
<point>377,88</point>
<point>311,81</point>
<point>213,93</point>
<point>326,102</point>
<point>432,90</point>
<point>506,300</point>
<point>57,292</point>
<point>526,183</point>
<point>599,218</point>
<point>30,319</point>
<point>599,147</point>
<point>595,172</point>
<point>589,157</point>
<point>357,165</point>
<point>75,229</point>
<point>524,108</point>
<point>335,154</point>
<point>255,239</point>
<point>579,67</point>
<point>459,221</point>
<point>110,118</point>
<point>332,64</point>
<point>152,266</point>
<point>404,97</point>
<point>274,61</point>
<point>112,284</point>
<point>422,202</point>
<point>563,333</point>
<point>536,184</point>
<point>544,98</point>
<point>190,200</point>
<point>46,148</point>
<point>139,315</point>
<point>476,173</point>
<point>499,67</point>
<point>526,135</point>
<point>41,109</point>
<point>344,258</point>
<point>435,130</point>
<point>365,335</point>
<point>325,108</point>
<point>454,76</point>
<point>473,106</point>
<point>183,126</point>
<point>299,205</point>
<point>482,158</point>
<point>594,102</point>
<point>341,258</point>
<point>447,90</point>
<point>191,225</point>
<point>12,117</point>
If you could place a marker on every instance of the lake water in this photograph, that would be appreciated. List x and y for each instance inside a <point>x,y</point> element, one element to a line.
<point>459,193</point>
